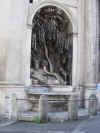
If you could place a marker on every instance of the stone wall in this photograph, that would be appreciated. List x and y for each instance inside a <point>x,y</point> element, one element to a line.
<point>15,43</point>
<point>13,16</point>
<point>13,25</point>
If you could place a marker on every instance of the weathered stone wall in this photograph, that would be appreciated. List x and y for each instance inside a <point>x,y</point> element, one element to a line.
<point>13,29</point>
<point>13,14</point>
<point>15,43</point>
<point>13,25</point>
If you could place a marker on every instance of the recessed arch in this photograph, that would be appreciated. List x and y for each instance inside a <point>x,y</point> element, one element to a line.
<point>51,47</point>
<point>61,6</point>
<point>72,17</point>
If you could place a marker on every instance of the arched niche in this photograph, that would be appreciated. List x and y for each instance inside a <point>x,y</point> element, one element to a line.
<point>72,20</point>
<point>51,47</point>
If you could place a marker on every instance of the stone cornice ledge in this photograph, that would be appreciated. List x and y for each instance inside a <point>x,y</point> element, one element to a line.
<point>11,85</point>
<point>89,86</point>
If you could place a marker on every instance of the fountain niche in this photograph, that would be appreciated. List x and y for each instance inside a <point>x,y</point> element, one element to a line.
<point>51,48</point>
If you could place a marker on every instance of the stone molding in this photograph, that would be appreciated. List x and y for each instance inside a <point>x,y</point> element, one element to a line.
<point>33,8</point>
<point>11,85</point>
<point>70,3</point>
<point>88,86</point>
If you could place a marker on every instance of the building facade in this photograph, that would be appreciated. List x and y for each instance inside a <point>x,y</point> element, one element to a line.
<point>16,25</point>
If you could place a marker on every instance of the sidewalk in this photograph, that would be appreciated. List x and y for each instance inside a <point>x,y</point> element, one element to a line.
<point>29,127</point>
<point>5,122</point>
<point>90,125</point>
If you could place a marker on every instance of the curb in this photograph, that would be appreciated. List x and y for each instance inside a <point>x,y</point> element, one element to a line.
<point>7,123</point>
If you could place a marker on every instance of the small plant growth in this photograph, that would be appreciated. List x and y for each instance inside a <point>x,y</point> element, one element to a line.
<point>36,120</point>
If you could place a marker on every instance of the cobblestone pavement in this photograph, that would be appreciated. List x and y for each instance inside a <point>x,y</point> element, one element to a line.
<point>29,127</point>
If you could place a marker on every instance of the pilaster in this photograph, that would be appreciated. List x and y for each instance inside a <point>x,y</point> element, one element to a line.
<point>91,43</point>
<point>81,41</point>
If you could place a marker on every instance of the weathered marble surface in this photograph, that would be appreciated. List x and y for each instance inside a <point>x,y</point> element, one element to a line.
<point>15,44</point>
